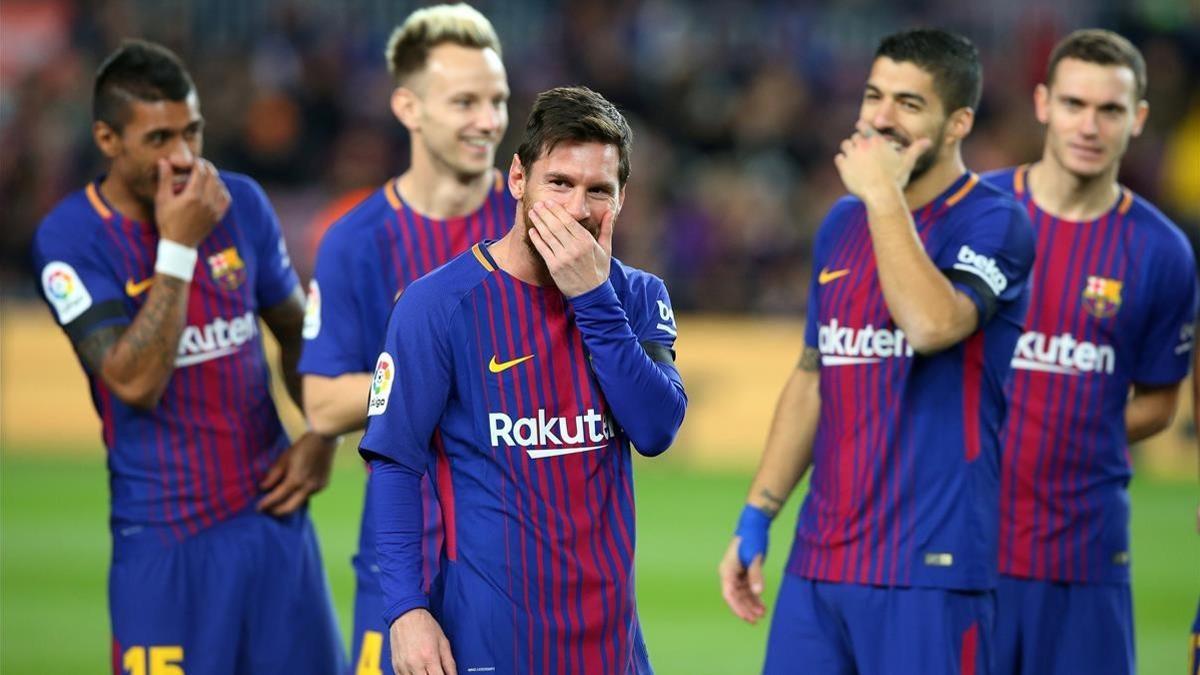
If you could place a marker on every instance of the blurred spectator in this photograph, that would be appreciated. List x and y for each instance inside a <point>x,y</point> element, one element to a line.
<point>738,110</point>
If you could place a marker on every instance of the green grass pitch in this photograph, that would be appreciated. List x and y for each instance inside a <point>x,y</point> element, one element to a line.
<point>54,554</point>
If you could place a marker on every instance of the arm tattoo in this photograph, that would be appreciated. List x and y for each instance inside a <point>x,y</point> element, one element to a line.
<point>147,337</point>
<point>92,348</point>
<point>774,503</point>
<point>810,360</point>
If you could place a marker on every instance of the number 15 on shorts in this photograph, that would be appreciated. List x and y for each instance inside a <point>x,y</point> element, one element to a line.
<point>157,660</point>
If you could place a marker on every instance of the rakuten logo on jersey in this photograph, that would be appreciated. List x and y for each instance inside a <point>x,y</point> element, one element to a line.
<point>1062,354</point>
<point>215,339</point>
<point>544,436</point>
<point>844,346</point>
<point>983,267</point>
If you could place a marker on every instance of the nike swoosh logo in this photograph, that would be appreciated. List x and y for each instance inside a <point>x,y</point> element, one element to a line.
<point>501,367</point>
<point>133,290</point>
<point>826,276</point>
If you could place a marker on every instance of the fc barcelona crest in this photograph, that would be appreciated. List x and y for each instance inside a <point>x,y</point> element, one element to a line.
<point>227,268</point>
<point>1102,297</point>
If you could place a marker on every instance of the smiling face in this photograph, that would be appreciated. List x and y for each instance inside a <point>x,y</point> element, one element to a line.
<point>901,104</point>
<point>171,130</point>
<point>1091,111</point>
<point>582,177</point>
<point>456,109</point>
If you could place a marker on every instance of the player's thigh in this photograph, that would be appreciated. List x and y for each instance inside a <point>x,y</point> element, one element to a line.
<point>1019,631</point>
<point>805,635</point>
<point>923,630</point>
<point>291,627</point>
<point>1096,633</point>
<point>370,651</point>
<point>175,609</point>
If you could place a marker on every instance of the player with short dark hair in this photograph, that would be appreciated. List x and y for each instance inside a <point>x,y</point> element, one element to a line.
<point>1105,346</point>
<point>525,371</point>
<point>158,272</point>
<point>452,96</point>
<point>918,292</point>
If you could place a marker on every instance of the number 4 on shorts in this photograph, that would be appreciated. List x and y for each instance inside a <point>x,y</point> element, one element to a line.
<point>153,661</point>
<point>371,654</point>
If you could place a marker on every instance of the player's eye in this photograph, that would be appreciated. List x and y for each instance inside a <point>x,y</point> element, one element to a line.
<point>910,106</point>
<point>156,138</point>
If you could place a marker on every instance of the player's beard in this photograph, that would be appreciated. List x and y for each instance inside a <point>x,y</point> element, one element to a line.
<point>538,261</point>
<point>928,158</point>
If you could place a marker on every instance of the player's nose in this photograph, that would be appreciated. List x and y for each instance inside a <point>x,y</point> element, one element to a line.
<point>489,118</point>
<point>883,117</point>
<point>1089,123</point>
<point>181,156</point>
<point>576,204</point>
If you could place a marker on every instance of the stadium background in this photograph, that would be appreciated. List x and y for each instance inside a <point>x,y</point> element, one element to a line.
<point>737,113</point>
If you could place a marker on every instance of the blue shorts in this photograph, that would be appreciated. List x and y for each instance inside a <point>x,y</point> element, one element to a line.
<point>1061,628</point>
<point>371,649</point>
<point>850,629</point>
<point>247,596</point>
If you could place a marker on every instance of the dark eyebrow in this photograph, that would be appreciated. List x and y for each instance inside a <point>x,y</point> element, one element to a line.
<point>556,175</point>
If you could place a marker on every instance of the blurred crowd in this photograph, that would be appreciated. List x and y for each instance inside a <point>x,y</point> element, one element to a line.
<point>737,110</point>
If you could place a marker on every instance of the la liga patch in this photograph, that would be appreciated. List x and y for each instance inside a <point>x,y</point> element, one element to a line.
<point>381,384</point>
<point>65,291</point>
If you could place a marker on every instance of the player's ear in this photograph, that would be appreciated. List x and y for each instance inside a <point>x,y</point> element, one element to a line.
<point>516,178</point>
<point>404,107</point>
<point>107,139</point>
<point>961,123</point>
<point>1041,103</point>
<point>1140,113</point>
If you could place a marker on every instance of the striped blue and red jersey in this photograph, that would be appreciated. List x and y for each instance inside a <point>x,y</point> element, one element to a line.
<point>1114,301</point>
<point>905,473</point>
<point>492,383</point>
<point>198,456</point>
<point>365,260</point>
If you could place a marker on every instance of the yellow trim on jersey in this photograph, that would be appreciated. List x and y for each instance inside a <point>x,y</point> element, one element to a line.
<point>392,192</point>
<point>499,181</point>
<point>482,258</point>
<point>1126,201</point>
<point>1019,179</point>
<point>97,203</point>
<point>962,191</point>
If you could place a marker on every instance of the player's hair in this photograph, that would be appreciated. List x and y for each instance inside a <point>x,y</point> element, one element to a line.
<point>951,59</point>
<point>1102,47</point>
<point>575,114</point>
<point>460,24</point>
<point>137,71</point>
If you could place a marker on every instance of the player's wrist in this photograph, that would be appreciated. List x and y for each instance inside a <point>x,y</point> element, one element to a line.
<point>883,196</point>
<point>752,528</point>
<point>602,293</point>
<point>175,259</point>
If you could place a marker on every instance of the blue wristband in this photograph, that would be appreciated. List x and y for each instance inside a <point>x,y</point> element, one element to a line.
<point>752,527</point>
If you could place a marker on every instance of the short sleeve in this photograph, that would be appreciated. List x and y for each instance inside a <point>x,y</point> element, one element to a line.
<point>989,256</point>
<point>411,384</point>
<point>276,277</point>
<point>1167,342</point>
<point>81,289</point>
<point>333,343</point>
